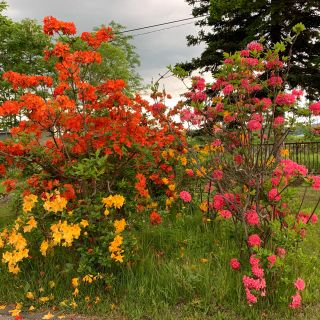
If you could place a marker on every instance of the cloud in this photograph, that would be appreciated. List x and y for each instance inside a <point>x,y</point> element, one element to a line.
<point>156,50</point>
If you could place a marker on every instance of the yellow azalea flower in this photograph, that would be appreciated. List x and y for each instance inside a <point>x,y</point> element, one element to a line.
<point>75,292</point>
<point>184,161</point>
<point>97,300</point>
<point>63,303</point>
<point>165,180</point>
<point>41,289</point>
<point>245,189</point>
<point>31,308</point>
<point>203,260</point>
<point>108,202</point>
<point>115,201</point>
<point>61,317</point>
<point>62,231</point>
<point>284,152</point>
<point>84,223</point>
<point>75,282</point>
<point>44,247</point>
<point>113,306</point>
<point>118,201</point>
<point>55,203</point>
<point>115,249</point>
<point>52,284</point>
<point>203,206</point>
<point>171,153</point>
<point>169,201</point>
<point>49,315</point>
<point>106,212</point>
<point>88,278</point>
<point>154,205</point>
<point>172,187</point>
<point>164,154</point>
<point>31,224</point>
<point>30,295</point>
<point>87,298</point>
<point>73,304</point>
<point>119,225</point>
<point>118,257</point>
<point>29,202</point>
<point>15,312</point>
<point>2,307</point>
<point>44,299</point>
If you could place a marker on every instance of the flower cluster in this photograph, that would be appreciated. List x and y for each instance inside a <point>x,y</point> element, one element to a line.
<point>115,248</point>
<point>18,249</point>
<point>52,25</point>
<point>64,233</point>
<point>296,299</point>
<point>29,202</point>
<point>54,202</point>
<point>115,201</point>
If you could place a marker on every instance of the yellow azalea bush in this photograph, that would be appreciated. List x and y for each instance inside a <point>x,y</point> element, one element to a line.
<point>47,222</point>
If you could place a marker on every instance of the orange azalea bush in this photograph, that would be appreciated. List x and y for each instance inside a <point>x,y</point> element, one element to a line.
<point>89,158</point>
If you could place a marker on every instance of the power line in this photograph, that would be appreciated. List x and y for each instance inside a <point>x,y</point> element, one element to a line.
<point>179,25</point>
<point>160,24</point>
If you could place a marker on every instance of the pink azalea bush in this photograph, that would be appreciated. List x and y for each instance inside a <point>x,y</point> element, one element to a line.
<point>247,110</point>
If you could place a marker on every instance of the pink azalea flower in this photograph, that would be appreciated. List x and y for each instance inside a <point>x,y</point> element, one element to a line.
<point>299,284</point>
<point>281,252</point>
<point>244,53</point>
<point>254,240</point>
<point>296,301</point>
<point>315,182</point>
<point>275,81</point>
<point>314,218</point>
<point>298,93</point>
<point>250,297</point>
<point>257,271</point>
<point>278,121</point>
<point>218,202</point>
<point>185,196</point>
<point>225,214</point>
<point>254,45</point>
<point>283,99</point>
<point>217,174</point>
<point>253,260</point>
<point>254,125</point>
<point>252,217</point>
<point>272,259</point>
<point>235,264</point>
<point>274,195</point>
<point>228,89</point>
<point>315,108</point>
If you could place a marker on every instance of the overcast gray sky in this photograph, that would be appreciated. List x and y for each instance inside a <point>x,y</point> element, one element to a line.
<point>156,50</point>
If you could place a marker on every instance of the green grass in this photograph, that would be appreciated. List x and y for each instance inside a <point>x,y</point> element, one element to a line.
<point>172,281</point>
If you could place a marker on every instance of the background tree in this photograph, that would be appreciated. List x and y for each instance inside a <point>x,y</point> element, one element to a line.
<point>21,50</point>
<point>119,59</point>
<point>230,25</point>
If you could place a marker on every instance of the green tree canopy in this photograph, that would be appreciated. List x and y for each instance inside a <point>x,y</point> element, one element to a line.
<point>228,25</point>
<point>21,50</point>
<point>119,60</point>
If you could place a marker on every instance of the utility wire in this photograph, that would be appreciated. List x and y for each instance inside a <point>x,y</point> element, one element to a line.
<point>179,25</point>
<point>160,24</point>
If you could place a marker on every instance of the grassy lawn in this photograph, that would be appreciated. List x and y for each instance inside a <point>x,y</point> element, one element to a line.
<point>183,274</point>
